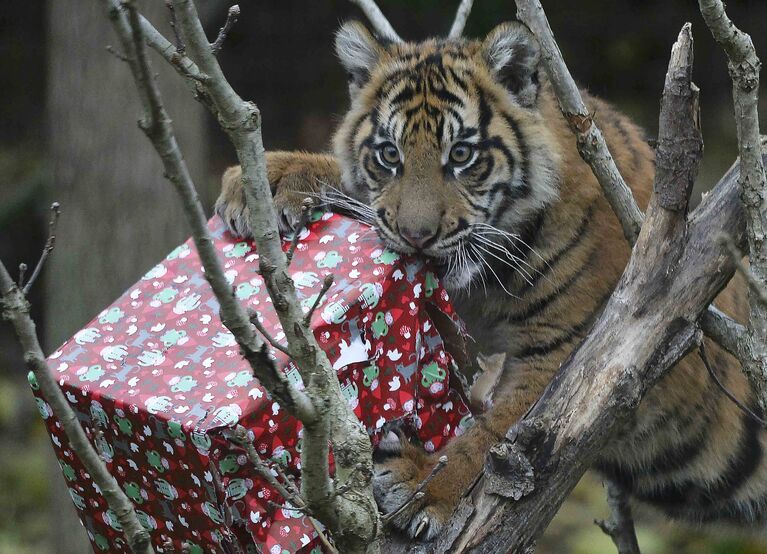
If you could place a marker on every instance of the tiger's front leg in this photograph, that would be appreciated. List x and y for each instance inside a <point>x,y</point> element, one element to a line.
<point>395,479</point>
<point>293,176</point>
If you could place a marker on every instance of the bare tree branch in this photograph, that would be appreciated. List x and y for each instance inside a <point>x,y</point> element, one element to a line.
<point>620,526</point>
<point>15,309</point>
<point>172,54</point>
<point>734,399</point>
<point>648,324</point>
<point>744,67</point>
<point>231,18</point>
<point>352,518</point>
<point>464,9</point>
<point>253,315</point>
<point>378,20</point>
<point>284,488</point>
<point>157,126</point>
<point>724,330</point>
<point>591,143</point>
<point>172,20</point>
<point>47,249</point>
<point>594,151</point>
<point>327,418</point>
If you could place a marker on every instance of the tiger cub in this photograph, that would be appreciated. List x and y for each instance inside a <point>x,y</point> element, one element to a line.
<point>457,150</point>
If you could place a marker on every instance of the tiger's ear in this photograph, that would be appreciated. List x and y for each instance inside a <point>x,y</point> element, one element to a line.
<point>359,51</point>
<point>512,54</point>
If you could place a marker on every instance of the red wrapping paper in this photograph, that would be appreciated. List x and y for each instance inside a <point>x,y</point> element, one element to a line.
<point>162,379</point>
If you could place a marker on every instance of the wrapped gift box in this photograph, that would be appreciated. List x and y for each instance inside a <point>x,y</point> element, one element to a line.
<point>158,384</point>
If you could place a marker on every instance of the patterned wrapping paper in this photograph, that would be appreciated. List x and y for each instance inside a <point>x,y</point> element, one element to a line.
<point>158,383</point>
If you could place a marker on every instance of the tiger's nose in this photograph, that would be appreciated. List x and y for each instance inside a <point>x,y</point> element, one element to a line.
<point>417,237</point>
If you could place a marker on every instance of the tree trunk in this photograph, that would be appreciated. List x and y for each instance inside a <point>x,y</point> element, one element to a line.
<point>119,216</point>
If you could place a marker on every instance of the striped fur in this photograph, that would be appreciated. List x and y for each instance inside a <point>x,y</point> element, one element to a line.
<point>530,250</point>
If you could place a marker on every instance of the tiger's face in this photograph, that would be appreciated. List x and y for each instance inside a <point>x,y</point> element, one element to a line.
<point>444,148</point>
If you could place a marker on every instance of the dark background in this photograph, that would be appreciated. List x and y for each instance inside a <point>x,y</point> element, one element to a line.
<point>68,133</point>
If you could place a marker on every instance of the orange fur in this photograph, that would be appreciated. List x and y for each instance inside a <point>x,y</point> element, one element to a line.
<point>686,438</point>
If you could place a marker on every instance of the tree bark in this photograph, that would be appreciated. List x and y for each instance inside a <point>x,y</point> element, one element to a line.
<point>744,67</point>
<point>675,271</point>
<point>119,217</point>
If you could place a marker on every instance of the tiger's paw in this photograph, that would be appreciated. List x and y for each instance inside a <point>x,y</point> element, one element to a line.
<point>232,206</point>
<point>396,480</point>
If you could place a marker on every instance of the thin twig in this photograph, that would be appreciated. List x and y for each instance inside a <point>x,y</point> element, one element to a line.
<point>219,486</point>
<point>241,436</point>
<point>441,463</point>
<point>22,271</point>
<point>231,19</point>
<point>620,526</point>
<point>306,212</point>
<point>172,54</point>
<point>253,315</point>
<point>745,409</point>
<point>180,48</point>
<point>378,20</point>
<point>290,507</point>
<point>464,9</point>
<point>47,249</point>
<point>326,284</point>
<point>724,330</point>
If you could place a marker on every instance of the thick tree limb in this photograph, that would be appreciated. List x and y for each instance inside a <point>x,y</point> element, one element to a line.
<point>15,309</point>
<point>620,526</point>
<point>744,66</point>
<point>593,150</point>
<point>675,271</point>
<point>459,24</point>
<point>378,20</point>
<point>352,517</point>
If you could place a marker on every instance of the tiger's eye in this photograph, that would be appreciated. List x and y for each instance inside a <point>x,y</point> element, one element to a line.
<point>389,154</point>
<point>461,153</point>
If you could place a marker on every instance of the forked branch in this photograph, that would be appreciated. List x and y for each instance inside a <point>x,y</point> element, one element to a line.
<point>594,151</point>
<point>15,309</point>
<point>744,67</point>
<point>620,526</point>
<point>636,338</point>
<point>326,416</point>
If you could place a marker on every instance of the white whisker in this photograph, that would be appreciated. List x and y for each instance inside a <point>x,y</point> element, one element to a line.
<point>489,243</point>
<point>484,263</point>
<point>516,268</point>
